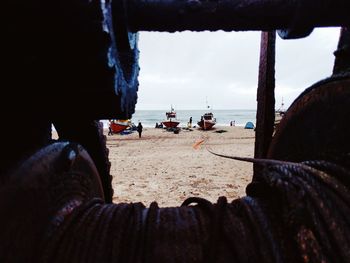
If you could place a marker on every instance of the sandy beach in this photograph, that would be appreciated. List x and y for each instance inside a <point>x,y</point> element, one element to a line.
<point>165,167</point>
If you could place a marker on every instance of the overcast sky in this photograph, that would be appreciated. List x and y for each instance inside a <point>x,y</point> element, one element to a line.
<point>184,69</point>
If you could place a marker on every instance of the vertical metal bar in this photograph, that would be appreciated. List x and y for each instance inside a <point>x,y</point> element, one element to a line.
<point>342,54</point>
<point>265,95</point>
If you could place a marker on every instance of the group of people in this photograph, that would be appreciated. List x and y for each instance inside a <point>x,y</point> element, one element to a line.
<point>159,125</point>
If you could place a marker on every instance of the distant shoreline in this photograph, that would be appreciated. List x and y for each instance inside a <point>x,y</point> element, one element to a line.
<point>149,118</point>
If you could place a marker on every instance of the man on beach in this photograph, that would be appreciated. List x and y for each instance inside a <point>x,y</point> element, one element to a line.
<point>139,129</point>
<point>110,131</point>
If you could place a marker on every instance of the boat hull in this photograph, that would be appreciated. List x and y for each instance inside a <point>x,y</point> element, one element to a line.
<point>206,125</point>
<point>170,124</point>
<point>118,127</point>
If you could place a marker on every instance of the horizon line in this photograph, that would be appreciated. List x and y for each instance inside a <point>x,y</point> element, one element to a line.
<point>193,109</point>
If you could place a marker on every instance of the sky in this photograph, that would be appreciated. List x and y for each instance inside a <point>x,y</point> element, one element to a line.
<point>188,69</point>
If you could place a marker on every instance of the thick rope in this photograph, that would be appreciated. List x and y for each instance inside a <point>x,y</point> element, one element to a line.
<point>303,218</point>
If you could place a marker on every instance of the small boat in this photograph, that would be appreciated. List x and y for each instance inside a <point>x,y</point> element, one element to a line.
<point>117,126</point>
<point>279,114</point>
<point>207,121</point>
<point>170,121</point>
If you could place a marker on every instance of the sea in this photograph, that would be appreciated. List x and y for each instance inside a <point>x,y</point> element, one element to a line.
<point>149,118</point>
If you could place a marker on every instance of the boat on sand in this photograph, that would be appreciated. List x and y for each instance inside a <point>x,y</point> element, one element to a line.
<point>207,121</point>
<point>117,126</point>
<point>170,121</point>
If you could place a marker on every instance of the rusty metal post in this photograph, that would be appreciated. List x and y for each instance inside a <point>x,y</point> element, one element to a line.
<point>342,54</point>
<point>265,95</point>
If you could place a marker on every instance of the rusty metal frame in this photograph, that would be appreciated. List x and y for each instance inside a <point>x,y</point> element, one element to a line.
<point>265,95</point>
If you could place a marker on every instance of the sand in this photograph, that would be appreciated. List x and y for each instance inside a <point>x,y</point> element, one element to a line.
<point>165,167</point>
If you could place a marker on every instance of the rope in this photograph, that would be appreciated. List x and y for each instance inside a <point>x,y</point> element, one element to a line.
<point>301,217</point>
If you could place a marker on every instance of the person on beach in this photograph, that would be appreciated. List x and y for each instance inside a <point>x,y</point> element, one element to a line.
<point>190,122</point>
<point>139,129</point>
<point>110,132</point>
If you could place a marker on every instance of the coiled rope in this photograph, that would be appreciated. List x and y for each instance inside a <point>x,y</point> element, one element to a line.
<point>302,215</point>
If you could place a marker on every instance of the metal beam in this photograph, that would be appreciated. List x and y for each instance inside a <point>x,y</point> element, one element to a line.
<point>234,15</point>
<point>342,54</point>
<point>265,95</point>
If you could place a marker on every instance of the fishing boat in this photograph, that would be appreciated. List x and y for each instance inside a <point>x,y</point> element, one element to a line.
<point>279,114</point>
<point>207,121</point>
<point>117,126</point>
<point>170,121</point>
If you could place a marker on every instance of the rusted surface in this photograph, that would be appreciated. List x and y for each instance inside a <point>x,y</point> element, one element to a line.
<point>342,54</point>
<point>306,138</point>
<point>89,134</point>
<point>265,96</point>
<point>238,15</point>
<point>40,194</point>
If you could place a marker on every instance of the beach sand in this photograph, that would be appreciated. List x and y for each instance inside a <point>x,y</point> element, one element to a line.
<point>165,167</point>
